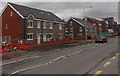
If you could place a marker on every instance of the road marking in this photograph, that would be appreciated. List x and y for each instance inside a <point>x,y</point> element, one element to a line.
<point>51,61</point>
<point>97,73</point>
<point>113,57</point>
<point>19,60</point>
<point>106,64</point>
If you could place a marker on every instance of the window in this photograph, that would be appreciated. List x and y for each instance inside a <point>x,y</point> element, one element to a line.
<point>94,24</point>
<point>81,29</point>
<point>48,13</point>
<point>106,22</point>
<point>6,26</point>
<point>38,24</point>
<point>66,31</point>
<point>71,23</point>
<point>71,28</point>
<point>11,13</point>
<point>29,36</point>
<point>60,26</point>
<point>44,25</point>
<point>100,24</point>
<point>51,26</point>
<point>30,24</point>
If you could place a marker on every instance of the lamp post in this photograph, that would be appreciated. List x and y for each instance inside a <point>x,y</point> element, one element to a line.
<point>85,18</point>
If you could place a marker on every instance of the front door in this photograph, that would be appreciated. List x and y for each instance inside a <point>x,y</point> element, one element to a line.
<point>38,39</point>
<point>44,38</point>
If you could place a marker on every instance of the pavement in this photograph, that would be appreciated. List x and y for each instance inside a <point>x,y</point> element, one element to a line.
<point>76,60</point>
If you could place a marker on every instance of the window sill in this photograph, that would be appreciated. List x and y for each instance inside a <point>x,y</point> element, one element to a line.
<point>30,27</point>
<point>29,39</point>
<point>38,27</point>
<point>51,28</point>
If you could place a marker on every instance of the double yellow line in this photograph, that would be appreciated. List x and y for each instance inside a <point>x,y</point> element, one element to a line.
<point>105,65</point>
<point>97,73</point>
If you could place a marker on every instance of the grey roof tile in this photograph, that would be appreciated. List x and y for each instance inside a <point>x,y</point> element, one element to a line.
<point>83,22</point>
<point>38,14</point>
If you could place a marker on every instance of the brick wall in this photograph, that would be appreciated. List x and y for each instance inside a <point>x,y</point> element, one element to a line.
<point>13,24</point>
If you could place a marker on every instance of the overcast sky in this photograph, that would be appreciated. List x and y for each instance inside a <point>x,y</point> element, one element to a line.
<point>65,10</point>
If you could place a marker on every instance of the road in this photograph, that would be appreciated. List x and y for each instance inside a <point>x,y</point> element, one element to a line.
<point>78,60</point>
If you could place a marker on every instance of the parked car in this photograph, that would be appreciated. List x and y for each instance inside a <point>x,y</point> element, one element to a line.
<point>101,40</point>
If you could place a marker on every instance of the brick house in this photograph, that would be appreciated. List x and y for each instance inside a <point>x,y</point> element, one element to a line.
<point>112,25</point>
<point>96,23</point>
<point>75,28</point>
<point>115,28</point>
<point>101,24</point>
<point>29,24</point>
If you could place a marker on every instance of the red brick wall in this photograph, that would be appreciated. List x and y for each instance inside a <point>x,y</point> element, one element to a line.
<point>66,40</point>
<point>14,23</point>
<point>92,22</point>
<point>81,37</point>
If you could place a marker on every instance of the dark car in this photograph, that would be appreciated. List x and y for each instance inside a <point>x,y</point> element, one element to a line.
<point>101,40</point>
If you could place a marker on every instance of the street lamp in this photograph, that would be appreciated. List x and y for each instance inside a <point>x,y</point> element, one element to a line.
<point>85,18</point>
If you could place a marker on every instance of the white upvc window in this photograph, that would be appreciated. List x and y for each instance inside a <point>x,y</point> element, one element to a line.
<point>30,36</point>
<point>30,24</point>
<point>66,31</point>
<point>44,25</point>
<point>100,24</point>
<point>38,24</point>
<point>51,26</point>
<point>11,13</point>
<point>94,24</point>
<point>60,27</point>
<point>6,26</point>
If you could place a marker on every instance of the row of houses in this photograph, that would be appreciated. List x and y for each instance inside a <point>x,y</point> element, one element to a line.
<point>31,25</point>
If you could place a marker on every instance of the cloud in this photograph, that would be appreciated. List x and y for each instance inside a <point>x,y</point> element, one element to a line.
<point>60,0</point>
<point>65,10</point>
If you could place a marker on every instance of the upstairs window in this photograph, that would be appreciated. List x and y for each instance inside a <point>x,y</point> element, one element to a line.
<point>11,13</point>
<point>38,24</point>
<point>6,26</point>
<point>94,24</point>
<point>100,24</point>
<point>60,27</point>
<point>30,24</point>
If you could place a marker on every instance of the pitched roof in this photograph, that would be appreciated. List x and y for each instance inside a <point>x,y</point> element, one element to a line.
<point>38,14</point>
<point>83,22</point>
<point>100,20</point>
<point>109,18</point>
